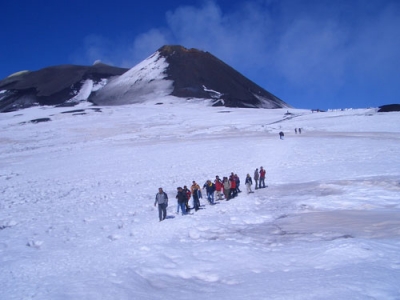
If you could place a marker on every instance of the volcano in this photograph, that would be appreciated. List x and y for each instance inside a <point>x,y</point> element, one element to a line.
<point>170,71</point>
<point>186,73</point>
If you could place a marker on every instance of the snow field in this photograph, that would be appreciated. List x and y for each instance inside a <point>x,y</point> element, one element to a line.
<point>78,222</point>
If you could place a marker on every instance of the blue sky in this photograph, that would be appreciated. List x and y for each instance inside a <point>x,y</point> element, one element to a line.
<point>311,54</point>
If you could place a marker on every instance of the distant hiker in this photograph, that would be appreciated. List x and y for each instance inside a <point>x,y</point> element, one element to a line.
<point>182,198</point>
<point>195,189</point>
<point>262,178</point>
<point>227,188</point>
<point>237,179</point>
<point>256,177</point>
<point>200,192</point>
<point>162,200</point>
<point>188,195</point>
<point>281,135</point>
<point>249,183</point>
<point>299,130</point>
<point>218,187</point>
<point>233,190</point>
<point>210,189</point>
<point>178,206</point>
<point>295,130</point>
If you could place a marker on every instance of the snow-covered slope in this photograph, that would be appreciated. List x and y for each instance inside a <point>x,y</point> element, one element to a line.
<point>77,215</point>
<point>143,82</point>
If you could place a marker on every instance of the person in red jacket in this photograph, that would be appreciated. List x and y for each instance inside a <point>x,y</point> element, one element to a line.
<point>218,187</point>
<point>233,191</point>
<point>262,177</point>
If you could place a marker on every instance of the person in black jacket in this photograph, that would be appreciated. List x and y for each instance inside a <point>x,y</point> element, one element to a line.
<point>181,197</point>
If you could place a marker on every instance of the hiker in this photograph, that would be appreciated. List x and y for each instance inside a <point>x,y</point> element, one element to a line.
<point>162,200</point>
<point>188,195</point>
<point>237,179</point>
<point>218,187</point>
<point>262,177</point>
<point>249,183</point>
<point>281,135</point>
<point>256,177</point>
<point>232,191</point>
<point>195,189</point>
<point>182,198</point>
<point>295,130</point>
<point>210,189</point>
<point>227,188</point>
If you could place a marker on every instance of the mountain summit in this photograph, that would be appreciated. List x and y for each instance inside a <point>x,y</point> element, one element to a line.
<point>170,71</point>
<point>186,73</point>
<point>200,74</point>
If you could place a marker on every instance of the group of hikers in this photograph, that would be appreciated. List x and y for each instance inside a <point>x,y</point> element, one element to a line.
<point>226,188</point>
<point>297,130</point>
<point>282,135</point>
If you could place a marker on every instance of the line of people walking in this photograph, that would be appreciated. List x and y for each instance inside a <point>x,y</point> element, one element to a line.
<point>226,188</point>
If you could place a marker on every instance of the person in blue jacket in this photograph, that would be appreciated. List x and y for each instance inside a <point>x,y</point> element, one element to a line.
<point>249,183</point>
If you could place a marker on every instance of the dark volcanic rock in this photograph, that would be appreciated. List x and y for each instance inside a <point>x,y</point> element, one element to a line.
<point>199,74</point>
<point>389,108</point>
<point>50,86</point>
<point>40,120</point>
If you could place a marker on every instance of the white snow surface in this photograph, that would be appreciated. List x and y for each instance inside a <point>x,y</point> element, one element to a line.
<point>87,88</point>
<point>77,215</point>
<point>84,92</point>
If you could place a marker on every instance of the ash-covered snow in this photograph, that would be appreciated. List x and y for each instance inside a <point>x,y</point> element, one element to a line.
<point>77,215</point>
<point>265,102</point>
